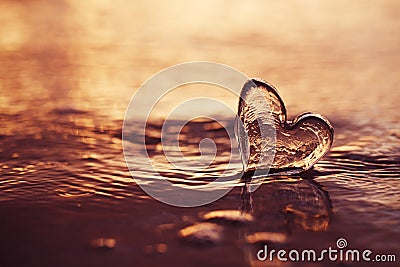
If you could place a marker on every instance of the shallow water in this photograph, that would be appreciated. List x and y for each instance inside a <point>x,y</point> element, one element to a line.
<point>66,195</point>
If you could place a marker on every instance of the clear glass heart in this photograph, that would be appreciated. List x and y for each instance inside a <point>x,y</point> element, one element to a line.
<point>267,140</point>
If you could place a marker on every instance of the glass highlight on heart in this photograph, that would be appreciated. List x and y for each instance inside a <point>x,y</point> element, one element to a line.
<point>296,145</point>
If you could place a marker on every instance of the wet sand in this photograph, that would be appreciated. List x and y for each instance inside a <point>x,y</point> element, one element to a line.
<point>68,70</point>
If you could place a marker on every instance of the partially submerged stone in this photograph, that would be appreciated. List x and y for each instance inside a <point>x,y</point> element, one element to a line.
<point>263,237</point>
<point>202,233</point>
<point>233,216</point>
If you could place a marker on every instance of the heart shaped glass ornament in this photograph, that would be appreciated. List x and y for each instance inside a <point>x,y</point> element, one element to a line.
<point>268,142</point>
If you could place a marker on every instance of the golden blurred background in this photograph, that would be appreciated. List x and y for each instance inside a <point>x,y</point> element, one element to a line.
<point>326,56</point>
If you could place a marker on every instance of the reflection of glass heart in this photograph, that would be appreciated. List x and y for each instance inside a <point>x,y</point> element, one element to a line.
<point>297,145</point>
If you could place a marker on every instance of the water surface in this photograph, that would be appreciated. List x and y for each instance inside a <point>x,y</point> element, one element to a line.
<point>68,70</point>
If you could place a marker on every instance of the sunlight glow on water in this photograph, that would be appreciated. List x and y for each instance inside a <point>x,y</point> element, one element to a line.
<point>69,68</point>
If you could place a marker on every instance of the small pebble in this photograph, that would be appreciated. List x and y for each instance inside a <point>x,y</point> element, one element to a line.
<point>102,243</point>
<point>161,248</point>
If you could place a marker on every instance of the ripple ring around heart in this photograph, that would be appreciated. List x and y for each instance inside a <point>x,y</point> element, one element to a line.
<point>298,144</point>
